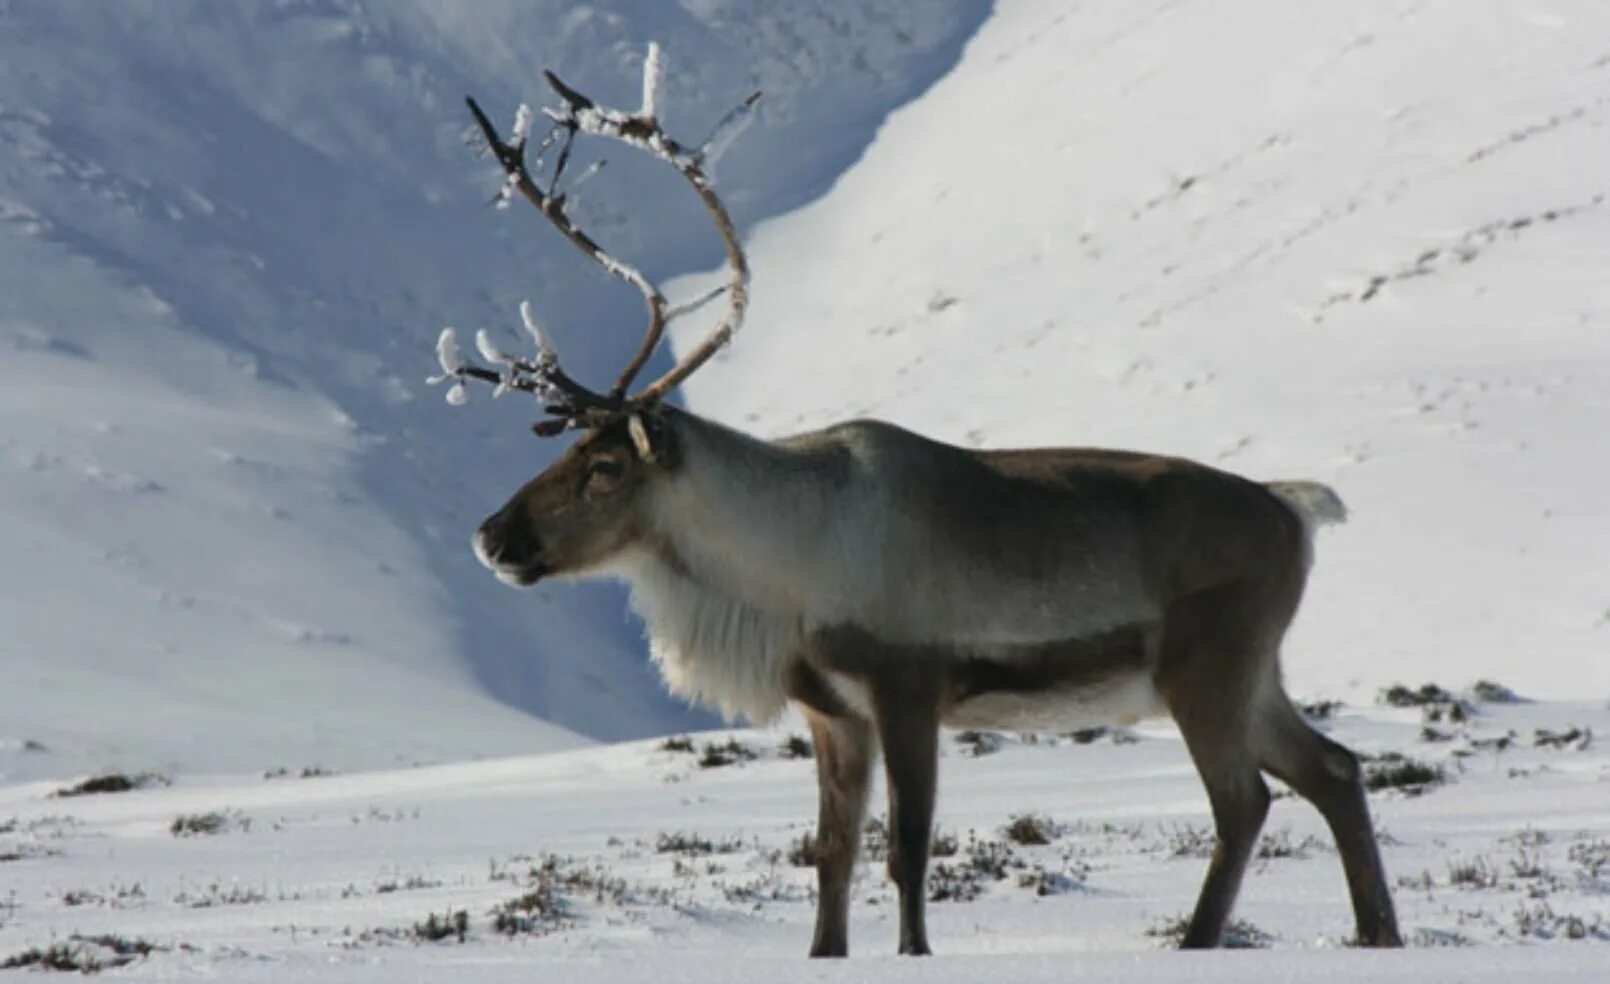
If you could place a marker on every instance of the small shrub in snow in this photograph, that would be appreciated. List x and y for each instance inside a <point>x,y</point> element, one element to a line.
<point>693,846</point>
<point>449,925</point>
<point>1422,882</point>
<point>796,747</point>
<point>216,894</point>
<point>211,822</point>
<point>802,853</point>
<point>875,842</point>
<point>1578,738</point>
<point>875,839</point>
<point>57,956</point>
<point>1393,770</point>
<point>25,852</point>
<point>307,772</point>
<point>1189,841</point>
<point>1493,692</point>
<point>979,743</point>
<point>1030,830</point>
<point>1528,836</point>
<point>1436,704</point>
<point>412,883</point>
<point>1280,845</point>
<point>729,752</point>
<point>82,954</point>
<point>1044,882</point>
<point>1494,743</point>
<point>1439,938</point>
<point>677,743</point>
<point>1593,857</point>
<point>976,866</point>
<point>1320,710</point>
<point>1399,695</point>
<point>1239,935</point>
<point>538,911</point>
<point>1528,864</point>
<point>1475,873</point>
<point>1085,736</point>
<point>116,782</point>
<point>1541,922</point>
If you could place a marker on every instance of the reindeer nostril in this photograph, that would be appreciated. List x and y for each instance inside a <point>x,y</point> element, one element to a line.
<point>500,543</point>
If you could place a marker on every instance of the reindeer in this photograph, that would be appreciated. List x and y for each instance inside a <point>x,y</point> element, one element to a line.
<point>888,585</point>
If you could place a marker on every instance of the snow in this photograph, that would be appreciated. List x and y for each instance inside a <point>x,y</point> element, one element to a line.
<point>1359,244</point>
<point>324,877</point>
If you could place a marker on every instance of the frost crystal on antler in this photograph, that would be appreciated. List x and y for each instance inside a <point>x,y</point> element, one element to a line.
<point>522,125</point>
<point>541,376</point>
<point>533,327</point>
<point>653,75</point>
<point>509,365</point>
<point>569,402</point>
<point>453,367</point>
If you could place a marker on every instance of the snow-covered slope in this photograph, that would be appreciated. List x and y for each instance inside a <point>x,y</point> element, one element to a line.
<point>235,521</point>
<point>1365,243</point>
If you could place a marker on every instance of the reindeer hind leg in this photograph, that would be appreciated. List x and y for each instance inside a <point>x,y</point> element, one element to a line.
<point>1240,802</point>
<point>1211,660</point>
<point>1328,776</point>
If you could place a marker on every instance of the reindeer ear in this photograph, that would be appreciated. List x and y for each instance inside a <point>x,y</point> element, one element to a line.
<point>640,438</point>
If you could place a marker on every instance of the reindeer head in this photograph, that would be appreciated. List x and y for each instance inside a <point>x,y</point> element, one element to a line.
<point>589,506</point>
<point>584,510</point>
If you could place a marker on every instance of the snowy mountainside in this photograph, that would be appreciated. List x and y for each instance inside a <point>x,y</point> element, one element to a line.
<point>229,232</point>
<point>1359,243</point>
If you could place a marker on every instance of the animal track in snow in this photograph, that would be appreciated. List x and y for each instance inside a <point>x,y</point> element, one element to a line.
<point>1465,249</point>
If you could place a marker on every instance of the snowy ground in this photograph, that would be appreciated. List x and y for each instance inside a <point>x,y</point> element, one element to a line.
<point>655,860</point>
<point>1363,243</point>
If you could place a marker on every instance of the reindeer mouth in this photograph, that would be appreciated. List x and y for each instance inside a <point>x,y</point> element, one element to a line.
<point>521,577</point>
<point>517,574</point>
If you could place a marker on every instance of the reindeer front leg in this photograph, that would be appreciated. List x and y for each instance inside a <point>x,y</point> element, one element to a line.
<point>906,703</point>
<point>845,747</point>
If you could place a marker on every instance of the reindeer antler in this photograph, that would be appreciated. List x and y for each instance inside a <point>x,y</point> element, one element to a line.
<point>571,403</point>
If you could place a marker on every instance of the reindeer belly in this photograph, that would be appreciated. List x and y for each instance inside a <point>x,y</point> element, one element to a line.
<point>1121,699</point>
<point>1060,685</point>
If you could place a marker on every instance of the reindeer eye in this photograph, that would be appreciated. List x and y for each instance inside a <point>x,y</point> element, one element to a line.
<point>603,474</point>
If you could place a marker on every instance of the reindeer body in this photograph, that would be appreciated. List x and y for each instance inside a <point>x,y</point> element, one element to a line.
<point>1027,566</point>
<point>888,584</point>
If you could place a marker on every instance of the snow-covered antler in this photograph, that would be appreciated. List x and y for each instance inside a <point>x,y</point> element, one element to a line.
<point>570,403</point>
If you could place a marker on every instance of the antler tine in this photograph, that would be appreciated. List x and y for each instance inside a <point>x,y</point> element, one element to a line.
<point>644,131</point>
<point>570,402</point>
<point>737,291</point>
<point>552,206</point>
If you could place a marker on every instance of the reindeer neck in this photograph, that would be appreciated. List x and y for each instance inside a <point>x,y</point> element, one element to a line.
<point>753,519</point>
